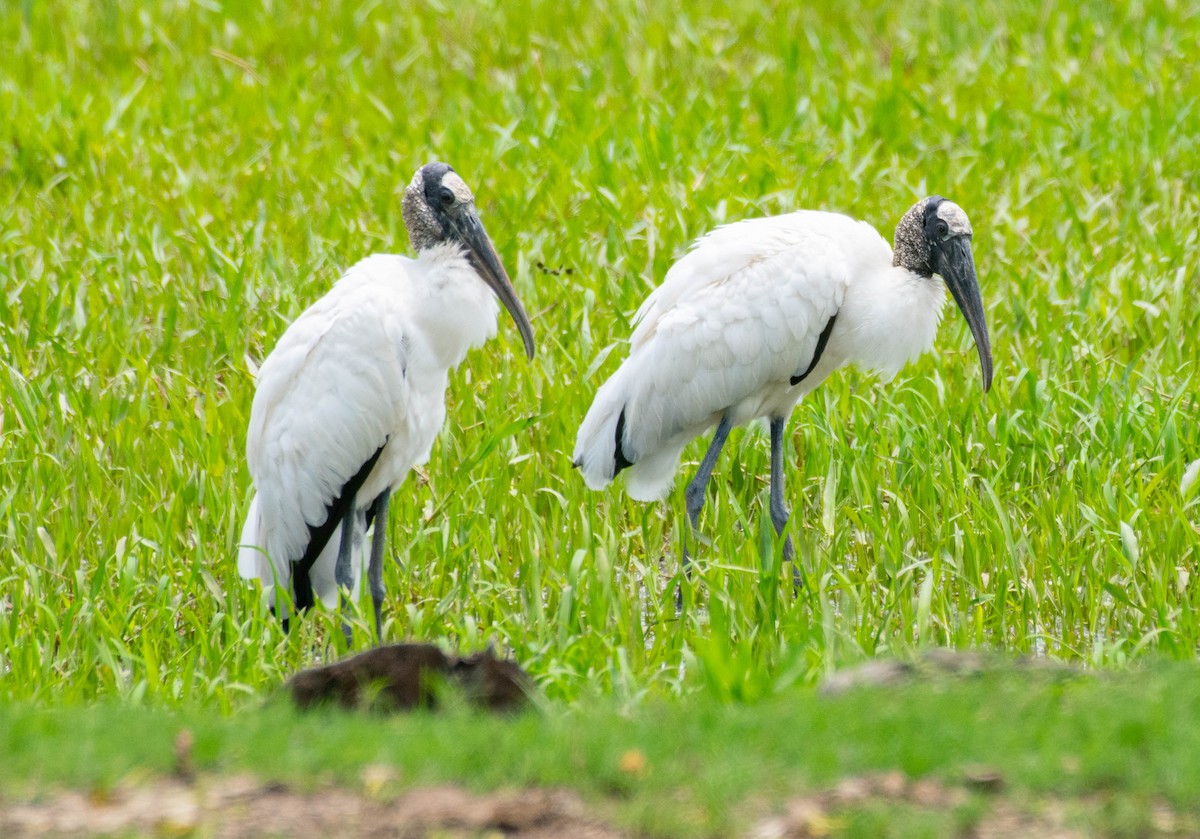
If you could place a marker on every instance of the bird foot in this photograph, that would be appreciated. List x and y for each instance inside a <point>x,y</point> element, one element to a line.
<point>798,581</point>
<point>685,563</point>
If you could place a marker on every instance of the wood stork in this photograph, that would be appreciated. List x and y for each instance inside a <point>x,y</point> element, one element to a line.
<point>353,395</point>
<point>758,314</point>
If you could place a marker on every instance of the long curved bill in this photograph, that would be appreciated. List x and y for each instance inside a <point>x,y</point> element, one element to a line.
<point>484,259</point>
<point>956,264</point>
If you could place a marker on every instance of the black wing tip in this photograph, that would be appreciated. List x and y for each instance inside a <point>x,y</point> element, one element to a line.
<point>621,460</point>
<point>302,590</point>
<point>822,340</point>
<point>319,535</point>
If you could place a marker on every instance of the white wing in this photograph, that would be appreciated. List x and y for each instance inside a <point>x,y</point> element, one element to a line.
<point>732,322</point>
<point>328,397</point>
<point>739,315</point>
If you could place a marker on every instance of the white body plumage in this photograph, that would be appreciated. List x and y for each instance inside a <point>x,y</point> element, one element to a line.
<point>365,364</point>
<point>735,320</point>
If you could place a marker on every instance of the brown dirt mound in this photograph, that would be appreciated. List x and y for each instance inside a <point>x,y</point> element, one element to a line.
<point>405,676</point>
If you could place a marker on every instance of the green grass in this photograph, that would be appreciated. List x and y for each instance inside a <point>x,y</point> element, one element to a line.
<point>1113,746</point>
<point>179,180</point>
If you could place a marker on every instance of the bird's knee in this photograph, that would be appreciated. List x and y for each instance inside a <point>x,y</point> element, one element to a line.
<point>694,500</point>
<point>377,590</point>
<point>779,516</point>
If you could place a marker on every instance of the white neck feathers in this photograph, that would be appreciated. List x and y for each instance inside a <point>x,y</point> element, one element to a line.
<point>894,315</point>
<point>458,309</point>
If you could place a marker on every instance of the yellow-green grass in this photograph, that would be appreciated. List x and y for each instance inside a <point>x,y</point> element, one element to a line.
<point>1111,754</point>
<point>179,180</point>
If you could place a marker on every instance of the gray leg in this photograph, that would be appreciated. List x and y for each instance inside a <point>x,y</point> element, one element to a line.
<point>341,573</point>
<point>779,511</point>
<point>695,490</point>
<point>694,495</point>
<point>379,511</point>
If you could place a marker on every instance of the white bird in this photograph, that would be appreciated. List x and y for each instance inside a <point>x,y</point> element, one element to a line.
<point>758,314</point>
<point>353,395</point>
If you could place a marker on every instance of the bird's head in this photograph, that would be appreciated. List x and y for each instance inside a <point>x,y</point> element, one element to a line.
<point>438,207</point>
<point>934,237</point>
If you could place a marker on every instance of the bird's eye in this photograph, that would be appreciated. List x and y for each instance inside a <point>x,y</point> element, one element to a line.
<point>942,228</point>
<point>446,196</point>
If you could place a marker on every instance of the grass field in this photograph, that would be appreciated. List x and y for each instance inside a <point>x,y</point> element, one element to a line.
<point>1115,753</point>
<point>178,180</point>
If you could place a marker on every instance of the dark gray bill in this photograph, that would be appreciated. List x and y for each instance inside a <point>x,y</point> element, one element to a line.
<point>952,259</point>
<point>469,230</point>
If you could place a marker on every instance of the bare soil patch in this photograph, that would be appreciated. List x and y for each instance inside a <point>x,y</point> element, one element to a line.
<point>241,807</point>
<point>999,816</point>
